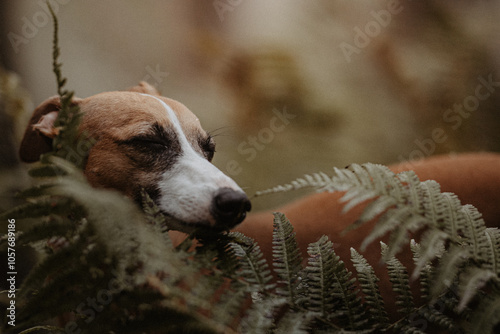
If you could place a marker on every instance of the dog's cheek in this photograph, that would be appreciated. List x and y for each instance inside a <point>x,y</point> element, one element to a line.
<point>107,168</point>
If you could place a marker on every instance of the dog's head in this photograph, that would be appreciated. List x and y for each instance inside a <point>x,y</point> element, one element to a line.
<point>143,141</point>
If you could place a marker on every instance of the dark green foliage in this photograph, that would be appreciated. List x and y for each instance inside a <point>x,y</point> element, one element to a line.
<point>331,290</point>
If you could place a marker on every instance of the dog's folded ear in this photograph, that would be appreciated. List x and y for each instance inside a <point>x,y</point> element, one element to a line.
<point>145,88</point>
<point>38,135</point>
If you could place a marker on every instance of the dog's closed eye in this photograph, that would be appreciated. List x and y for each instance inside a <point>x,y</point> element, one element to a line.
<point>158,139</point>
<point>208,146</point>
<point>148,142</point>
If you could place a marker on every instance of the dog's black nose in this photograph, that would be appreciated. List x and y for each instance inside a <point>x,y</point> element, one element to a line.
<point>230,207</point>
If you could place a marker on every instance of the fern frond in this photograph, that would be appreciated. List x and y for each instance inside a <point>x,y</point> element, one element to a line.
<point>471,283</point>
<point>319,181</point>
<point>261,316</point>
<point>434,316</point>
<point>287,260</point>
<point>42,207</point>
<point>368,282</point>
<point>448,268</point>
<point>493,251</point>
<point>423,269</point>
<point>388,222</point>
<point>58,262</point>
<point>475,232</point>
<point>374,209</point>
<point>229,306</point>
<point>156,218</point>
<point>350,311</point>
<point>398,276</point>
<point>254,267</point>
<point>62,287</point>
<point>453,218</point>
<point>400,235</point>
<point>55,226</point>
<point>320,276</point>
<point>433,245</point>
<point>36,191</point>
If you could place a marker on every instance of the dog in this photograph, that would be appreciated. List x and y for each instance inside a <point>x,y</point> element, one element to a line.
<point>145,142</point>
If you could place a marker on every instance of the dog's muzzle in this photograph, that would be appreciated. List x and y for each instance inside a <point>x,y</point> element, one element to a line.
<point>229,207</point>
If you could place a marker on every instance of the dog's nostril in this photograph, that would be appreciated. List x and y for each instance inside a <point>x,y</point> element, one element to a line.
<point>229,207</point>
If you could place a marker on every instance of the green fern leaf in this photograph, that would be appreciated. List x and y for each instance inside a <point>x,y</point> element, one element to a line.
<point>448,269</point>
<point>36,191</point>
<point>475,232</point>
<point>410,189</point>
<point>260,317</point>
<point>350,311</point>
<point>389,221</point>
<point>375,208</point>
<point>398,276</point>
<point>438,318</point>
<point>400,236</point>
<point>56,263</point>
<point>320,276</point>
<point>54,227</point>
<point>254,268</point>
<point>453,218</point>
<point>156,218</point>
<point>320,181</point>
<point>493,251</point>
<point>355,197</point>
<point>368,282</point>
<point>287,260</point>
<point>42,207</point>
<point>433,246</point>
<point>471,282</point>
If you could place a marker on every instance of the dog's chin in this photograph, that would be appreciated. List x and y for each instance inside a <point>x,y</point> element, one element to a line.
<point>174,223</point>
<point>201,226</point>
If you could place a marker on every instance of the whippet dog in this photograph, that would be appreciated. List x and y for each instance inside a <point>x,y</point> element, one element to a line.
<point>144,141</point>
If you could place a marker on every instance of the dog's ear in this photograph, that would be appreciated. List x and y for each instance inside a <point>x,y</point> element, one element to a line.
<point>38,135</point>
<point>145,88</point>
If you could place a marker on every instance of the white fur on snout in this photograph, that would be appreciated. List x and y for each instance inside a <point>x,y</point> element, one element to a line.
<point>188,188</point>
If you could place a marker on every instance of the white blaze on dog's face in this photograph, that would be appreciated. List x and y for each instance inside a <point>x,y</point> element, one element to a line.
<point>156,144</point>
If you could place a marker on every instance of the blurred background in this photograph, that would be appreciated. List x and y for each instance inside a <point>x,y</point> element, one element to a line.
<point>286,87</point>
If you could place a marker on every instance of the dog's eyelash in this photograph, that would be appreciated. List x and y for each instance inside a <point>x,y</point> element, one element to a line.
<point>208,146</point>
<point>146,141</point>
